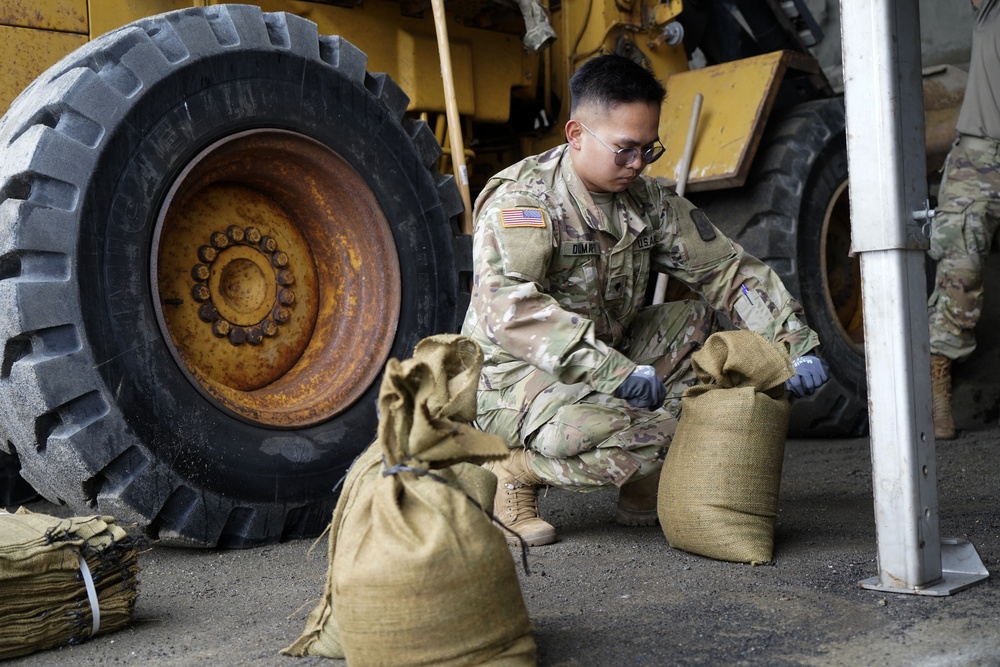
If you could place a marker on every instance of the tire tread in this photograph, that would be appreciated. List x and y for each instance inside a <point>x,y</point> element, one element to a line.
<point>74,442</point>
<point>763,217</point>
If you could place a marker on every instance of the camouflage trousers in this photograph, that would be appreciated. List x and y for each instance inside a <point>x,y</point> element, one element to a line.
<point>586,440</point>
<point>968,215</point>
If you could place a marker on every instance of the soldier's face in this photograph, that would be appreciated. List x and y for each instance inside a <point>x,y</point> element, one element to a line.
<point>595,134</point>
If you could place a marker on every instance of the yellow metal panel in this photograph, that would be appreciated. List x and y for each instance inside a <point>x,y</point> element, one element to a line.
<point>737,100</point>
<point>61,15</point>
<point>667,11</point>
<point>26,53</point>
<point>488,64</point>
<point>420,72</point>
<point>106,15</point>
<point>496,58</point>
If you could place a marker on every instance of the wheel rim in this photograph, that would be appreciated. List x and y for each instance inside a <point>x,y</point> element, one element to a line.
<point>276,278</point>
<point>841,271</point>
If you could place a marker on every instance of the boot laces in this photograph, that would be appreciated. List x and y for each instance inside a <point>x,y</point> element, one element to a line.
<point>940,385</point>
<point>522,501</point>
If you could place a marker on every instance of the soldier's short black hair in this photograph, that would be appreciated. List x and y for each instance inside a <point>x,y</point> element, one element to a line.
<point>610,79</point>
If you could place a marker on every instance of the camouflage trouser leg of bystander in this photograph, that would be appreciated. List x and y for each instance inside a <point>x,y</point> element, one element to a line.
<point>968,215</point>
<point>586,440</point>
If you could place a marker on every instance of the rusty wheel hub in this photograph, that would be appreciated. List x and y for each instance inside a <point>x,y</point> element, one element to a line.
<point>277,278</point>
<point>841,271</point>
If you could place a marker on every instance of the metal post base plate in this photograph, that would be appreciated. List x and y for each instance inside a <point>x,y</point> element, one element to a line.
<point>961,567</point>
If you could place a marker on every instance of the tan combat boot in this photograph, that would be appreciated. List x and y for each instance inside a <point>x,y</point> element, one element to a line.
<point>637,502</point>
<point>516,501</point>
<point>944,424</point>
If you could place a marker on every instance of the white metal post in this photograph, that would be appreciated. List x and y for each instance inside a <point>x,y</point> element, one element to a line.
<point>885,129</point>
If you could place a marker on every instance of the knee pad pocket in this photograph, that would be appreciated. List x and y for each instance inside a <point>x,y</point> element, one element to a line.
<point>578,428</point>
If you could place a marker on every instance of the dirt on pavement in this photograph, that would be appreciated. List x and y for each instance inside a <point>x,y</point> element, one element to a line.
<point>609,595</point>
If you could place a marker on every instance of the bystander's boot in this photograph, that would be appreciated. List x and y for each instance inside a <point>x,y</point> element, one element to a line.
<point>944,424</point>
<point>516,501</point>
<point>637,502</point>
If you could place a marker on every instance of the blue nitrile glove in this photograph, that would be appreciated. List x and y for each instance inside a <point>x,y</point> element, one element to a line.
<point>642,389</point>
<point>810,374</point>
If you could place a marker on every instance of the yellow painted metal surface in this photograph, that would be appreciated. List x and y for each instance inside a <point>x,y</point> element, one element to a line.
<point>26,53</point>
<point>667,11</point>
<point>487,64</point>
<point>738,97</point>
<point>106,15</point>
<point>423,83</point>
<point>60,15</point>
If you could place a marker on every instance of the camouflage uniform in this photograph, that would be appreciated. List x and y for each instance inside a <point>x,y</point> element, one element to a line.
<point>968,210</point>
<point>967,217</point>
<point>556,307</point>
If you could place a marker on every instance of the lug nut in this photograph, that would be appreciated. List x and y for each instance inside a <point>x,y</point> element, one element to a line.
<point>219,240</point>
<point>220,328</point>
<point>237,335</point>
<point>286,297</point>
<point>200,272</point>
<point>208,312</point>
<point>207,254</point>
<point>252,235</point>
<point>254,335</point>
<point>281,315</point>
<point>234,233</point>
<point>285,277</point>
<point>269,328</point>
<point>279,260</point>
<point>267,244</point>
<point>200,292</point>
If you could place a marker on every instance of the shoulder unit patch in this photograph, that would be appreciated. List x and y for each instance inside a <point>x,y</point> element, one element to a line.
<point>702,224</point>
<point>522,217</point>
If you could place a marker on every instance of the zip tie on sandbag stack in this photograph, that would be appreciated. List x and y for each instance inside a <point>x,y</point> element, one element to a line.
<point>95,607</point>
<point>400,467</point>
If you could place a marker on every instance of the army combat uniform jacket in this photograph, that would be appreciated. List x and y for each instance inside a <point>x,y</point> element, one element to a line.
<point>558,287</point>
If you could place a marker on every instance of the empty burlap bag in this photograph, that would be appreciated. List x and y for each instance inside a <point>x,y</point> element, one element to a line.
<point>418,574</point>
<point>62,581</point>
<point>718,493</point>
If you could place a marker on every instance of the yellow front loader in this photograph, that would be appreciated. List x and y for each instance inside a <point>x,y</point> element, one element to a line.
<point>218,221</point>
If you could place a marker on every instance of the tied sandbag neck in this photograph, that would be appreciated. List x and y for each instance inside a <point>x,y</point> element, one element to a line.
<point>402,467</point>
<point>741,359</point>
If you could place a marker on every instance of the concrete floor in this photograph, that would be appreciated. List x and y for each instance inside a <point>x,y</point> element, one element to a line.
<point>609,595</point>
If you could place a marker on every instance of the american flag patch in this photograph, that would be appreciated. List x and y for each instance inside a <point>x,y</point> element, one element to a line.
<point>522,217</point>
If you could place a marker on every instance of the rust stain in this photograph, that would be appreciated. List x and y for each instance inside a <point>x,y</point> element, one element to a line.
<point>58,15</point>
<point>323,276</point>
<point>28,52</point>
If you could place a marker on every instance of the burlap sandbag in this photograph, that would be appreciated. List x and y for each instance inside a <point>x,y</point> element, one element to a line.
<point>45,599</point>
<point>418,574</point>
<point>718,493</point>
<point>321,636</point>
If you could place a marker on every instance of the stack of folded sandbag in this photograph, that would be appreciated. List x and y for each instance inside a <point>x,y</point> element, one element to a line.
<point>418,574</point>
<point>718,494</point>
<point>62,581</point>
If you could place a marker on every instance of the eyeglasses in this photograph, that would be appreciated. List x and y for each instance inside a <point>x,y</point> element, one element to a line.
<point>625,156</point>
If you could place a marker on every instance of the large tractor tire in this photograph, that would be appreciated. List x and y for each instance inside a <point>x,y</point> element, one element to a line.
<point>215,228</point>
<point>794,214</point>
